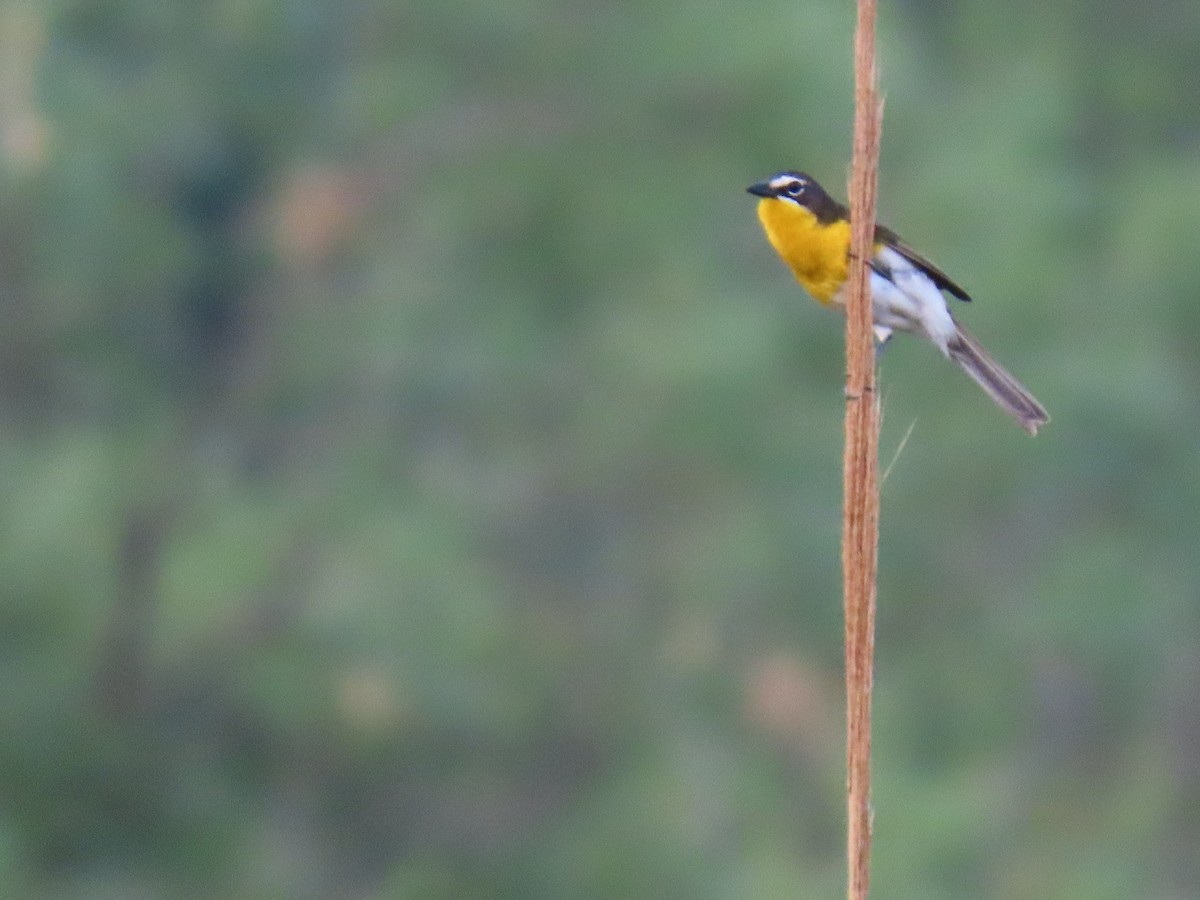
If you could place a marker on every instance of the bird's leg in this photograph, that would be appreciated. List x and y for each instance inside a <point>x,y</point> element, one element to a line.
<point>883,336</point>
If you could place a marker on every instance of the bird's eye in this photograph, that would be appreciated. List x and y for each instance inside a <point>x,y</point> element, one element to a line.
<point>795,188</point>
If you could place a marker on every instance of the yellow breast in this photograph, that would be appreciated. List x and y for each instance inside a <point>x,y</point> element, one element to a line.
<point>816,253</point>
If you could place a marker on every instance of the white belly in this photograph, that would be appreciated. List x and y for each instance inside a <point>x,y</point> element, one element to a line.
<point>909,301</point>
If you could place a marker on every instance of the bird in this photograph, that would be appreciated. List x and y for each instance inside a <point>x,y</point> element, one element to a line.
<point>811,233</point>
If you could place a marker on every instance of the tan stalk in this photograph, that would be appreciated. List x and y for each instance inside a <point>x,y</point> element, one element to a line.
<point>860,511</point>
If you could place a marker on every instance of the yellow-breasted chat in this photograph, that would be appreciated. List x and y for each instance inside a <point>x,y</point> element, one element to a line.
<point>811,233</point>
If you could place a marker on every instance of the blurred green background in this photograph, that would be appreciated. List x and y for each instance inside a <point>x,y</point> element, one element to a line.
<point>420,479</point>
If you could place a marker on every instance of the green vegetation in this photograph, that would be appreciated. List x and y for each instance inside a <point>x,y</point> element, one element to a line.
<point>421,480</point>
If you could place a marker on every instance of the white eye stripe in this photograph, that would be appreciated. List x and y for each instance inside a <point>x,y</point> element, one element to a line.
<point>789,184</point>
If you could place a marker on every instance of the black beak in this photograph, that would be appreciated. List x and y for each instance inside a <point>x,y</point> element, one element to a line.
<point>761,189</point>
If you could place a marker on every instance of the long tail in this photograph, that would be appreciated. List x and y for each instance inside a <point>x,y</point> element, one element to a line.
<point>1008,393</point>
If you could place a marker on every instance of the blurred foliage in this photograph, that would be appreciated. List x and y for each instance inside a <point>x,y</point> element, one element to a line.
<point>421,481</point>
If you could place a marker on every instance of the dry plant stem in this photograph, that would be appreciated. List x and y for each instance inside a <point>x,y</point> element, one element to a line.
<point>860,512</point>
